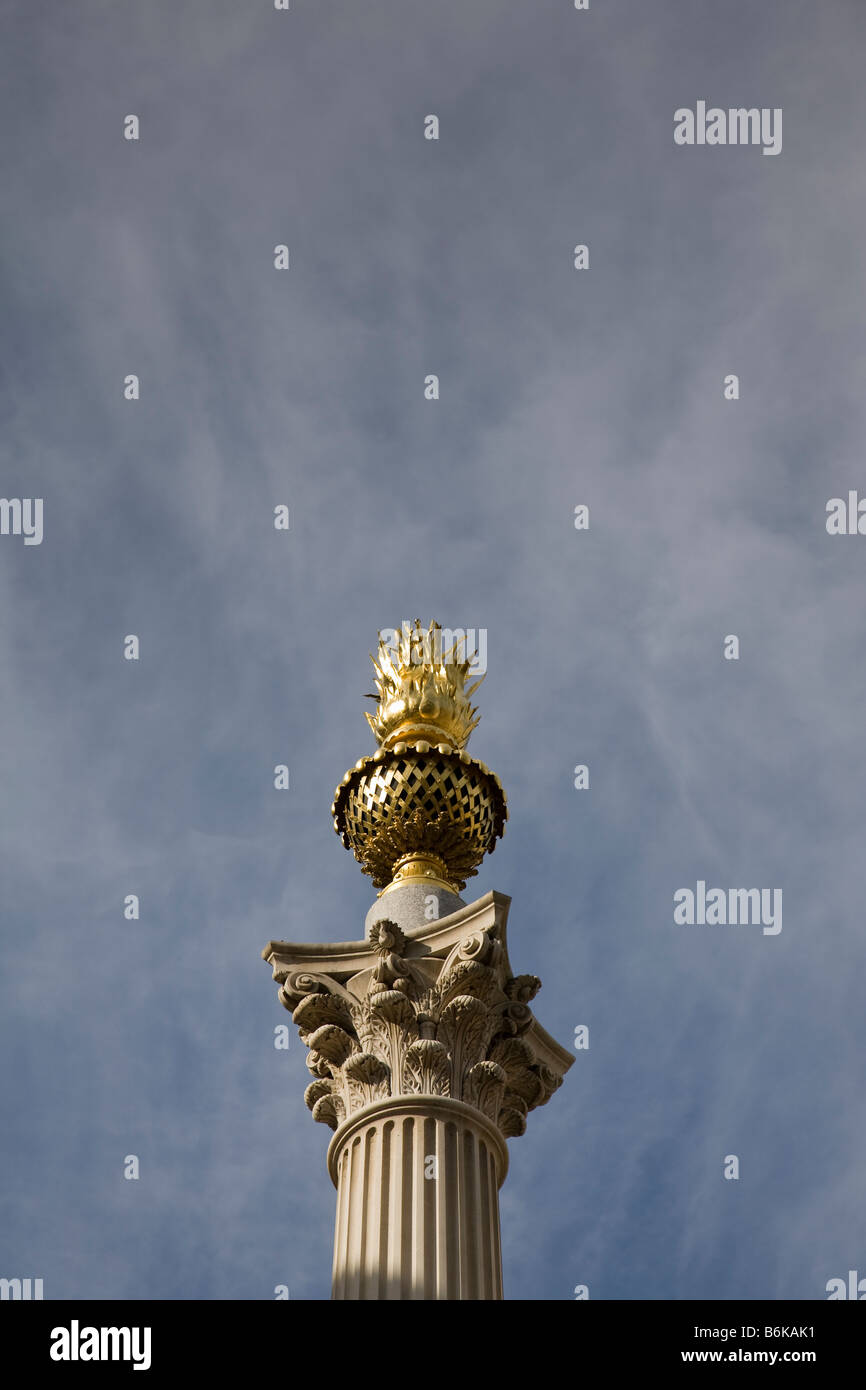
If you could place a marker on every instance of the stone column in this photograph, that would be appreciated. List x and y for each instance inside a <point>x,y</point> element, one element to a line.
<point>425,1057</point>
<point>417,1202</point>
<point>423,1049</point>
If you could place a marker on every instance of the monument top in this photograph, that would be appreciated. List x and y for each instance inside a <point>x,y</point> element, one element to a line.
<point>420,810</point>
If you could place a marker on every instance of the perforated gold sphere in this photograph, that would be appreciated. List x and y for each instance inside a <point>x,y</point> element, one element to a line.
<point>416,800</point>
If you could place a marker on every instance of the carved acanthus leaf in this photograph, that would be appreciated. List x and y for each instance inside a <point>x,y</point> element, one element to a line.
<point>426,1068</point>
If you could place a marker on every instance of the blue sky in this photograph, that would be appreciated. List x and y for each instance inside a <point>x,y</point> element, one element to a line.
<point>558,387</point>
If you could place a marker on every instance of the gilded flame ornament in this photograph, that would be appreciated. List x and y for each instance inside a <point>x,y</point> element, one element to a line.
<point>420,808</point>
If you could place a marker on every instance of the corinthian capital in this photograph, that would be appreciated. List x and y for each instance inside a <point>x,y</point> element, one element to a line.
<point>433,1011</point>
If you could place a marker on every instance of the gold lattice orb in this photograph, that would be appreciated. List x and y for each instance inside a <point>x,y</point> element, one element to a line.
<point>420,809</point>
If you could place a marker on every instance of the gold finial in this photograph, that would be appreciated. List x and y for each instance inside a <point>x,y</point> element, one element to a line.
<point>420,808</point>
<point>422,688</point>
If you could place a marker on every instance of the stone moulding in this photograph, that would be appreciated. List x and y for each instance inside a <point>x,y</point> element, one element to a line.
<point>435,1011</point>
<point>422,1108</point>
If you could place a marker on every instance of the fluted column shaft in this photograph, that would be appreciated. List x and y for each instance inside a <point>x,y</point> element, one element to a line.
<point>417,1201</point>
